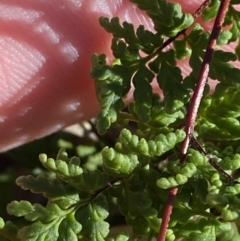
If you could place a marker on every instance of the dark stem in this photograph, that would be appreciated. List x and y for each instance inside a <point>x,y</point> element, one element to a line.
<point>198,146</point>
<point>170,40</point>
<point>195,16</point>
<point>193,108</point>
<point>84,203</point>
<point>107,186</point>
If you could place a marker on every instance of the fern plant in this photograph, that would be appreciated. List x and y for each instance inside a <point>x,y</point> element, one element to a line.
<point>161,146</point>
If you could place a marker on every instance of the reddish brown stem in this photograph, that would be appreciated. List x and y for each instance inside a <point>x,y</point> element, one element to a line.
<point>193,109</point>
<point>203,75</point>
<point>167,214</point>
<point>201,8</point>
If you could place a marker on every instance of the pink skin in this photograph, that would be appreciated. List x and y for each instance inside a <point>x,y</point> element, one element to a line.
<point>46,47</point>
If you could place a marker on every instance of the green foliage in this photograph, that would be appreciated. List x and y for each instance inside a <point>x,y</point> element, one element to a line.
<point>48,222</point>
<point>168,18</point>
<point>136,205</point>
<point>92,216</point>
<point>71,203</point>
<point>132,176</point>
<point>120,237</point>
<point>8,231</point>
<point>221,123</point>
<point>232,19</point>
<point>210,12</point>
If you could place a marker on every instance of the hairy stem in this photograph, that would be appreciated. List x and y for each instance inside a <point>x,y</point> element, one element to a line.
<point>193,108</point>
<point>167,214</point>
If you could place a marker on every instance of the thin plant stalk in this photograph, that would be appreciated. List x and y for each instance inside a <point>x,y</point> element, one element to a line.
<point>193,108</point>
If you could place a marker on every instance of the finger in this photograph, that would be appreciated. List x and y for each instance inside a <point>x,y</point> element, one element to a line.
<point>46,49</point>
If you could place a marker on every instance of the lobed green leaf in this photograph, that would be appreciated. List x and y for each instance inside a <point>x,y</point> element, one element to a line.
<point>167,18</point>
<point>94,228</point>
<point>157,147</point>
<point>136,205</point>
<point>117,164</point>
<point>8,231</point>
<point>55,190</point>
<point>112,83</point>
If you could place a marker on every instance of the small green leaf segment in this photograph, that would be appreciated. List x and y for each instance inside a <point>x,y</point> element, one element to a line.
<point>135,174</point>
